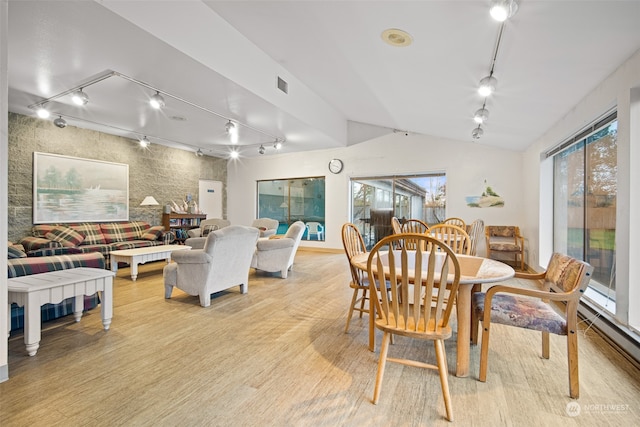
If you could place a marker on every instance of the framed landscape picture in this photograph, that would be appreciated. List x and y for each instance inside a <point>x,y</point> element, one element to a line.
<point>71,189</point>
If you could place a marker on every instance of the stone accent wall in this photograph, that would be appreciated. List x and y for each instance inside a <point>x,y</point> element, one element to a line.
<point>162,172</point>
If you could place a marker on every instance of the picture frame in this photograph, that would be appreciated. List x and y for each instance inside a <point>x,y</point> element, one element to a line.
<point>72,189</point>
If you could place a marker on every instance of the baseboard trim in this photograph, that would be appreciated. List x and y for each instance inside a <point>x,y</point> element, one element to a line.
<point>317,249</point>
<point>4,373</point>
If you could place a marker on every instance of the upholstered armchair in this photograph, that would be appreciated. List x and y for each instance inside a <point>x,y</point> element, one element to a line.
<point>274,255</point>
<point>267,226</point>
<point>198,236</point>
<point>208,225</point>
<point>505,239</point>
<point>222,263</point>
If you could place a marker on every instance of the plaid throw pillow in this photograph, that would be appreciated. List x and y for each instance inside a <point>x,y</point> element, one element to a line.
<point>66,236</point>
<point>153,233</point>
<point>92,233</point>
<point>15,253</point>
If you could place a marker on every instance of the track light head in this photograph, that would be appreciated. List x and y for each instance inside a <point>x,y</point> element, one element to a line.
<point>277,145</point>
<point>487,86</point>
<point>261,149</point>
<point>481,115</point>
<point>234,154</point>
<point>477,133</point>
<point>60,122</point>
<point>144,142</point>
<point>156,101</point>
<point>79,97</point>
<point>501,10</point>
<point>42,112</point>
<point>199,153</point>
<point>230,128</point>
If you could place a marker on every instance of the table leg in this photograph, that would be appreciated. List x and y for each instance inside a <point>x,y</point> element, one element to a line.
<point>106,304</point>
<point>463,306</point>
<point>114,264</point>
<point>32,323</point>
<point>78,307</point>
<point>134,269</point>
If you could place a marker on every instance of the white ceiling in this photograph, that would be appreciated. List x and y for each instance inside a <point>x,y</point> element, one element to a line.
<point>224,57</point>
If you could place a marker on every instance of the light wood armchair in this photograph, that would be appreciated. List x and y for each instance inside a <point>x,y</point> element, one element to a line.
<point>453,236</point>
<point>505,239</point>
<point>564,281</point>
<point>456,221</point>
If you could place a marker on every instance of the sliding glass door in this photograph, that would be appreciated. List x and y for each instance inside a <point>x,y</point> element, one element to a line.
<point>585,189</point>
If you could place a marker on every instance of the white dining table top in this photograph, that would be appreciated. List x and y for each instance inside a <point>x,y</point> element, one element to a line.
<point>473,269</point>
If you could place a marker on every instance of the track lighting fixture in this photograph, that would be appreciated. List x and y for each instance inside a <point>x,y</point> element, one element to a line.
<point>79,97</point>
<point>261,149</point>
<point>234,154</point>
<point>481,115</point>
<point>501,10</point>
<point>477,133</point>
<point>277,145</point>
<point>231,128</point>
<point>156,101</point>
<point>144,142</point>
<point>43,113</point>
<point>60,122</point>
<point>487,85</point>
<point>199,153</point>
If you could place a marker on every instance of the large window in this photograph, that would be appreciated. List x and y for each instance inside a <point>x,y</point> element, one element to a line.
<point>294,199</point>
<point>585,189</point>
<point>374,200</point>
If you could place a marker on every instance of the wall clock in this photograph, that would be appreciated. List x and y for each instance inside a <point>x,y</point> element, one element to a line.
<point>335,166</point>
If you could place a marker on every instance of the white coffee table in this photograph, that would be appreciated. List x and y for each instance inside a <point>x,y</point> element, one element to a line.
<point>136,256</point>
<point>53,287</point>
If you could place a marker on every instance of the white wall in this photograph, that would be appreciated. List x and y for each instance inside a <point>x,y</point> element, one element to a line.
<point>467,165</point>
<point>616,90</point>
<point>4,149</point>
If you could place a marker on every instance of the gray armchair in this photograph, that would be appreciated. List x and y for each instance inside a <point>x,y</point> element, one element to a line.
<point>267,226</point>
<point>207,225</point>
<point>274,255</point>
<point>222,263</point>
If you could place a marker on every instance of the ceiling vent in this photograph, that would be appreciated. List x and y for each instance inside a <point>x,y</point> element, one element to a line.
<point>282,85</point>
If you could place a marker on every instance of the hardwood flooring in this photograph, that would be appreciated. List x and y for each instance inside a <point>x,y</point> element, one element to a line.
<point>278,356</point>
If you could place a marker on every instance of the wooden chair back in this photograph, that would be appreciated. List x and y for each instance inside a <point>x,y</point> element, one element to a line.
<point>353,244</point>
<point>453,236</point>
<point>395,225</point>
<point>414,226</point>
<point>455,221</point>
<point>475,231</point>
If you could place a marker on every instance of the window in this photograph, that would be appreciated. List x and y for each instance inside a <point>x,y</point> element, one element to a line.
<point>585,189</point>
<point>375,200</point>
<point>294,199</point>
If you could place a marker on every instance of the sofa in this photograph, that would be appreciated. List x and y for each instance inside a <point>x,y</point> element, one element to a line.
<point>277,254</point>
<point>93,237</point>
<point>221,264</point>
<point>19,265</point>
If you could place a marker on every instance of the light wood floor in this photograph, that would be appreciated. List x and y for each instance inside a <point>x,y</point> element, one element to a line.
<point>278,356</point>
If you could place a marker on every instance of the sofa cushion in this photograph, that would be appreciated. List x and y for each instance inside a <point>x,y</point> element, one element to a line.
<point>123,231</point>
<point>54,251</point>
<point>132,244</point>
<point>66,236</point>
<point>14,252</point>
<point>32,243</point>
<point>92,233</point>
<point>153,233</point>
<point>41,230</point>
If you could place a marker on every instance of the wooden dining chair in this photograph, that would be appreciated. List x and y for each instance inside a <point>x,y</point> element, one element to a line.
<point>456,221</point>
<point>505,239</point>
<point>452,235</point>
<point>353,244</point>
<point>564,281</point>
<point>409,310</point>
<point>476,232</point>
<point>395,225</point>
<point>413,226</point>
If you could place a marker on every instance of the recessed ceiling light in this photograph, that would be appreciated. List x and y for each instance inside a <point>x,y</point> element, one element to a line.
<point>396,37</point>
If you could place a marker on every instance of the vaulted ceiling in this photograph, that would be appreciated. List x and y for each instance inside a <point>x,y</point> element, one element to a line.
<point>215,61</point>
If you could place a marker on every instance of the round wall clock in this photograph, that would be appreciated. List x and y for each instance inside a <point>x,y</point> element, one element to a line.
<point>335,166</point>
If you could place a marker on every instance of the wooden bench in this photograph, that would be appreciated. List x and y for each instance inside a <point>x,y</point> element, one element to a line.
<point>53,287</point>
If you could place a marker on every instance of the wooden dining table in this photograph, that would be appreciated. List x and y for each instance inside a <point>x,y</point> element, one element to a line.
<point>473,270</point>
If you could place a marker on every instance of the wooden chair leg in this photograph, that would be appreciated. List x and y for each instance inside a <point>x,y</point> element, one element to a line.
<point>353,303</point>
<point>474,319</point>
<point>545,345</point>
<point>572,355</point>
<point>484,352</point>
<point>382,361</point>
<point>444,376</point>
<point>364,297</point>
